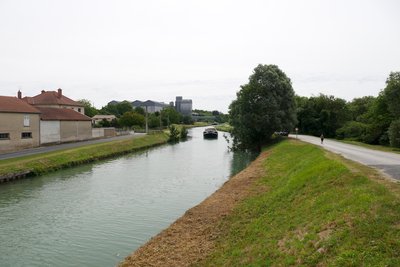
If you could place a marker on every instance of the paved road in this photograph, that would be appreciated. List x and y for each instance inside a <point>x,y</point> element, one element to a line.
<point>387,162</point>
<point>43,149</point>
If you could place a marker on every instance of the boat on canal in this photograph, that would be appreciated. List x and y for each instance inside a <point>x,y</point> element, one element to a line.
<point>210,133</point>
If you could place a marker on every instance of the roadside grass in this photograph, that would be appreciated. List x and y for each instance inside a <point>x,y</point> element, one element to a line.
<point>200,124</point>
<point>375,147</point>
<point>47,162</point>
<point>312,208</point>
<point>224,127</point>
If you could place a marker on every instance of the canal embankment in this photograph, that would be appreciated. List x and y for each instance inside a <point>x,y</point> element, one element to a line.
<point>33,165</point>
<point>296,204</point>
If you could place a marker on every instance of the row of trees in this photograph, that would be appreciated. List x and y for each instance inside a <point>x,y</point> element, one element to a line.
<point>373,120</point>
<point>127,116</point>
<point>267,103</point>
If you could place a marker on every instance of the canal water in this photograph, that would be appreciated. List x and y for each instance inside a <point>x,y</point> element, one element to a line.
<point>97,214</point>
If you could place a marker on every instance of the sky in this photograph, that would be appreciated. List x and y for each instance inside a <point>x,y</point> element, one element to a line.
<point>202,50</point>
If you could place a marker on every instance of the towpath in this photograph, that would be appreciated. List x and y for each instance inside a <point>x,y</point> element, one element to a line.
<point>387,162</point>
<point>44,149</point>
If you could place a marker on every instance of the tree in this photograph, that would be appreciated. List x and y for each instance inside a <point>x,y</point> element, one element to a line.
<point>392,94</point>
<point>265,105</point>
<point>117,109</point>
<point>90,110</point>
<point>170,115</point>
<point>321,114</point>
<point>131,118</point>
<point>154,120</point>
<point>394,133</point>
<point>140,110</point>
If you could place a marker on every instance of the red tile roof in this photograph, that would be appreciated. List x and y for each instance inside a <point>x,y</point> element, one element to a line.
<point>61,114</point>
<point>15,105</point>
<point>51,98</point>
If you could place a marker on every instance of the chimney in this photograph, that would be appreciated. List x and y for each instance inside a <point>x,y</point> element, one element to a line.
<point>43,91</point>
<point>59,92</point>
<point>19,94</point>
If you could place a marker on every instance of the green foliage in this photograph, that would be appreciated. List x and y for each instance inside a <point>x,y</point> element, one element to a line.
<point>311,210</point>
<point>90,110</point>
<point>264,105</point>
<point>154,120</point>
<point>352,130</point>
<point>169,116</point>
<point>394,133</point>
<point>392,94</point>
<point>173,134</point>
<point>183,133</point>
<point>131,118</point>
<point>359,108</point>
<point>187,120</point>
<point>378,120</point>
<point>140,110</point>
<point>117,109</point>
<point>321,114</point>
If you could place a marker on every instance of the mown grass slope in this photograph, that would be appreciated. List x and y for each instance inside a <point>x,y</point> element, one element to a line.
<point>46,162</point>
<point>313,209</point>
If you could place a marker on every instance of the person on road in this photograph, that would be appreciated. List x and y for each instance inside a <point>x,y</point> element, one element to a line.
<point>322,138</point>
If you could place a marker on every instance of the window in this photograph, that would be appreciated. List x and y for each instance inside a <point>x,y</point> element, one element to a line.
<point>26,121</point>
<point>26,135</point>
<point>4,136</point>
<point>79,109</point>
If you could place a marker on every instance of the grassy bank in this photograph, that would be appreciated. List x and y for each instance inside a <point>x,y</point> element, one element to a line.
<point>375,147</point>
<point>47,162</point>
<point>312,208</point>
<point>224,127</point>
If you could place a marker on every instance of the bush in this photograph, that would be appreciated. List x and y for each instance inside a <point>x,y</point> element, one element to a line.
<point>173,133</point>
<point>394,133</point>
<point>352,129</point>
<point>184,132</point>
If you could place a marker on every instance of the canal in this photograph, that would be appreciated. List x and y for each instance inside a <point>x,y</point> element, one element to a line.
<point>97,214</point>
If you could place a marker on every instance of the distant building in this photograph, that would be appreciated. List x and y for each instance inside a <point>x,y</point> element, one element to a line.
<point>98,118</point>
<point>152,106</point>
<point>183,106</point>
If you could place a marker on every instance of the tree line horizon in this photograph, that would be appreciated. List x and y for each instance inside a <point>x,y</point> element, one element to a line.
<point>268,103</point>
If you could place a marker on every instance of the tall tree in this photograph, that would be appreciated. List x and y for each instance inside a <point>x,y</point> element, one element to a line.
<point>392,94</point>
<point>170,115</point>
<point>131,118</point>
<point>265,105</point>
<point>90,110</point>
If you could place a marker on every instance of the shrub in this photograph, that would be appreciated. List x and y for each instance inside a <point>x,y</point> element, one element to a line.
<point>173,133</point>
<point>353,129</point>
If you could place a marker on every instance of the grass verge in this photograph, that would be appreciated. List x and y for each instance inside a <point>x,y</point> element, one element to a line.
<point>47,162</point>
<point>375,147</point>
<point>312,208</point>
<point>224,127</point>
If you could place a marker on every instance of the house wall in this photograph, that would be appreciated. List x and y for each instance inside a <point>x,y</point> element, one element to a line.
<point>50,132</point>
<point>75,130</point>
<point>13,124</point>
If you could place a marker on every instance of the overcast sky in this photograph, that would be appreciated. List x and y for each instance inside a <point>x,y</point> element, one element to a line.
<point>203,50</point>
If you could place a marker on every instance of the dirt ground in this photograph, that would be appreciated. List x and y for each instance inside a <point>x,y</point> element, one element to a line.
<point>192,237</point>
